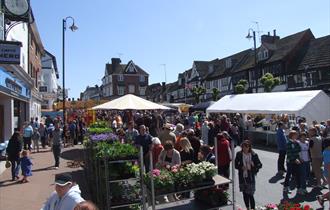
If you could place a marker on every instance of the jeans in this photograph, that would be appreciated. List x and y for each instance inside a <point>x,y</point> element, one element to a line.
<point>303,174</point>
<point>293,169</point>
<point>27,143</point>
<point>281,159</point>
<point>15,168</point>
<point>57,153</point>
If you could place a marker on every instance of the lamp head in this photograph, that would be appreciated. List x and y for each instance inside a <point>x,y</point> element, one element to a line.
<point>73,27</point>
<point>248,36</point>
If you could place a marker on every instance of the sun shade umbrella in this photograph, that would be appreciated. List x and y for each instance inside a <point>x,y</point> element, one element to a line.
<point>130,101</point>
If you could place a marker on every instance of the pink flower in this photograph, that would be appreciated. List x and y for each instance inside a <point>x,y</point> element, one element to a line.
<point>156,172</point>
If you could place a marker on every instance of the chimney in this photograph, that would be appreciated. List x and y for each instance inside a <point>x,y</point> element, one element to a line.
<point>269,38</point>
<point>115,62</point>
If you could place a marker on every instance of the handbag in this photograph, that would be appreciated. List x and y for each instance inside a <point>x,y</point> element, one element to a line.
<point>8,164</point>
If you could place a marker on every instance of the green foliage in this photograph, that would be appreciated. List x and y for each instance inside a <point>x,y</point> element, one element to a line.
<point>240,87</point>
<point>215,94</point>
<point>269,82</point>
<point>99,127</point>
<point>197,92</point>
<point>123,170</point>
<point>99,130</point>
<point>99,124</point>
<point>116,151</point>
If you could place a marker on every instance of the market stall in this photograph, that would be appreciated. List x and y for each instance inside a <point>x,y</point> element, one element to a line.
<point>313,105</point>
<point>130,102</point>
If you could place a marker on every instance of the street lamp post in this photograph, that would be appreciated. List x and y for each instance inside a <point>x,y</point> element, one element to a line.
<point>256,73</point>
<point>73,27</point>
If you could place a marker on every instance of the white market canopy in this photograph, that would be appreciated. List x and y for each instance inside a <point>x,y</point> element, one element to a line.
<point>314,105</point>
<point>129,101</point>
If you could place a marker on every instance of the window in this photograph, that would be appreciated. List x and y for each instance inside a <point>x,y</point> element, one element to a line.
<point>263,55</point>
<point>120,77</point>
<point>215,83</point>
<point>142,91</point>
<point>224,82</point>
<point>121,90</point>
<point>131,88</point>
<point>208,84</point>
<point>43,89</point>
<point>142,78</point>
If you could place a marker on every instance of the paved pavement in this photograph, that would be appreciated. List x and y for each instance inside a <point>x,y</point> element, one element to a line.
<point>32,195</point>
<point>15,196</point>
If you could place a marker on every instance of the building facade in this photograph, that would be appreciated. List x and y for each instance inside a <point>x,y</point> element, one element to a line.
<point>91,93</point>
<point>120,79</point>
<point>48,87</point>
<point>300,61</point>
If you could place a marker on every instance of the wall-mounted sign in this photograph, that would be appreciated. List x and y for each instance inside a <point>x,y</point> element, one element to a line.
<point>13,87</point>
<point>10,52</point>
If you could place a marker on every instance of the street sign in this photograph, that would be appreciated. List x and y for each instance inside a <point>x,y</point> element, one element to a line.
<point>10,52</point>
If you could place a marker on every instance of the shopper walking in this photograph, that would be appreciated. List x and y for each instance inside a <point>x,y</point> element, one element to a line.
<point>27,135</point>
<point>57,144</point>
<point>281,147</point>
<point>13,152</point>
<point>36,139</point>
<point>248,165</point>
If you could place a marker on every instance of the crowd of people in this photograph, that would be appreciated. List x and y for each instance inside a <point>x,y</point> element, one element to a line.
<point>182,139</point>
<point>306,150</point>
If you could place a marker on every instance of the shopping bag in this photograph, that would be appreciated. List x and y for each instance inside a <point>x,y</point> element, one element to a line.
<point>8,164</point>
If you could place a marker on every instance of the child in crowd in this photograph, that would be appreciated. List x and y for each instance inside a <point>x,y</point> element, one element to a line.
<point>26,166</point>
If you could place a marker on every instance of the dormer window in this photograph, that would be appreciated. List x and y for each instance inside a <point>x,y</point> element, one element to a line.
<point>263,55</point>
<point>228,63</point>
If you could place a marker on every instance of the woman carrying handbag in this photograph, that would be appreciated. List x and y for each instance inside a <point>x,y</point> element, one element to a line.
<point>13,152</point>
<point>248,164</point>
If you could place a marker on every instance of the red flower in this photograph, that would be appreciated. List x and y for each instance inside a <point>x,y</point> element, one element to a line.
<point>296,205</point>
<point>307,207</point>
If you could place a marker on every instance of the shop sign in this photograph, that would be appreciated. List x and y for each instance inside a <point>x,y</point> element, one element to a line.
<point>10,52</point>
<point>11,86</point>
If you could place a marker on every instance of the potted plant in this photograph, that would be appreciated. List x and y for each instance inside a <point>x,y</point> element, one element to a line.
<point>163,181</point>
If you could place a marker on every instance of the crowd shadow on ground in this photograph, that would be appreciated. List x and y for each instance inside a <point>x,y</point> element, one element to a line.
<point>277,177</point>
<point>73,154</point>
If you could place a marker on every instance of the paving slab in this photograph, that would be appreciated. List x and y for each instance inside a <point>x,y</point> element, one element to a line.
<point>32,195</point>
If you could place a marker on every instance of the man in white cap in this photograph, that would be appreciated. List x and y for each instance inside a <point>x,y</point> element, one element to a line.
<point>66,195</point>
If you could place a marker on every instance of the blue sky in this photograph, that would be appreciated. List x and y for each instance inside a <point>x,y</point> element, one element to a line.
<point>171,32</point>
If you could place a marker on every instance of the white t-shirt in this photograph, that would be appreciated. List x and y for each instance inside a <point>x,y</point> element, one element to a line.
<point>303,154</point>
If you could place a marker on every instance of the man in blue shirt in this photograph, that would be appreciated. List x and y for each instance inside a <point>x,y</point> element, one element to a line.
<point>145,141</point>
<point>281,146</point>
<point>27,134</point>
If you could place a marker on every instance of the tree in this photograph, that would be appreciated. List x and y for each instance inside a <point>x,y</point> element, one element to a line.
<point>215,94</point>
<point>269,82</point>
<point>197,92</point>
<point>240,87</point>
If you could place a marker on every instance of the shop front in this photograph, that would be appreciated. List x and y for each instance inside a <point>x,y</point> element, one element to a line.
<point>14,103</point>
